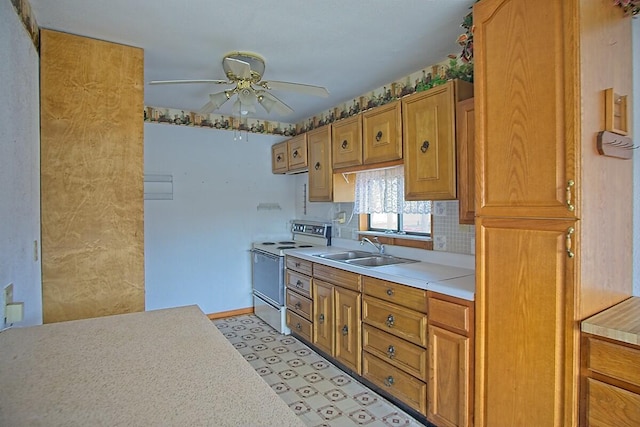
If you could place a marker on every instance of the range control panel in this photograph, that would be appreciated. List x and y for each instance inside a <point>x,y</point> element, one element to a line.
<point>311,228</point>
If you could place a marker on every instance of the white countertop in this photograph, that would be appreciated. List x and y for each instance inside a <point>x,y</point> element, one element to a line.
<point>453,280</point>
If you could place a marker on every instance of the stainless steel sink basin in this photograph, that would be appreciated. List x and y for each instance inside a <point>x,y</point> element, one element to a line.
<point>343,256</point>
<point>378,261</point>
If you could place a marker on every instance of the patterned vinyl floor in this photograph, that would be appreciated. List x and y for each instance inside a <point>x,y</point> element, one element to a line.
<point>317,391</point>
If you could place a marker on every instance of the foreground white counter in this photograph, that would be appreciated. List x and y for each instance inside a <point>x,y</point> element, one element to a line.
<point>163,367</point>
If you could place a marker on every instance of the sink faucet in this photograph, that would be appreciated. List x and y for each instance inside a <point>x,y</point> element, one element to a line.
<point>379,246</point>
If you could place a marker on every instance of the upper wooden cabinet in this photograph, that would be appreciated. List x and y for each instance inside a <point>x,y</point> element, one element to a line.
<point>297,152</point>
<point>320,170</point>
<point>466,141</point>
<point>279,163</point>
<point>346,142</point>
<point>429,133</point>
<point>382,133</point>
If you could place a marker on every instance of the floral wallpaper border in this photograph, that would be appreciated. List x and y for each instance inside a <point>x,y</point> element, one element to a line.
<point>24,12</point>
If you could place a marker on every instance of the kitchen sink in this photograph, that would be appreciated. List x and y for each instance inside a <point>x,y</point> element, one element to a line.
<point>343,256</point>
<point>364,259</point>
<point>378,261</point>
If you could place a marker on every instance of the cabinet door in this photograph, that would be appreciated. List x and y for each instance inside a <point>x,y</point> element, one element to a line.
<point>382,134</point>
<point>346,142</point>
<point>429,144</point>
<point>466,142</point>
<point>525,146</point>
<point>279,158</point>
<point>323,326</point>
<point>348,328</point>
<point>297,152</point>
<point>320,170</point>
<point>526,360</point>
<point>448,388</point>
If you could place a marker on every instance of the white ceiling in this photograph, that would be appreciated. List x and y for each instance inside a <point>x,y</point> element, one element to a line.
<point>348,46</point>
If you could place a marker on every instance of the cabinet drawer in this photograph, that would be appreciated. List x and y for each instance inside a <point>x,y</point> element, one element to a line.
<point>346,279</point>
<point>611,406</point>
<point>299,282</point>
<point>392,380</point>
<point>614,360</point>
<point>299,265</point>
<point>413,298</point>
<point>396,351</point>
<point>299,325</point>
<point>299,304</point>
<point>450,315</point>
<point>396,320</point>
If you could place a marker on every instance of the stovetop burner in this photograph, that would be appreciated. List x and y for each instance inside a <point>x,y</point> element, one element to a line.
<point>287,243</point>
<point>268,243</point>
<point>305,246</point>
<point>285,247</point>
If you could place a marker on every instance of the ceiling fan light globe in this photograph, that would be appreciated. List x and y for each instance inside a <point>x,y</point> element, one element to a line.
<point>217,99</point>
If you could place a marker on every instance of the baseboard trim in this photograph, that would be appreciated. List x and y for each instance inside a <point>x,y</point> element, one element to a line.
<point>230,313</point>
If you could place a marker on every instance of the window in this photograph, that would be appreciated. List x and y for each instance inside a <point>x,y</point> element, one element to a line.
<point>413,224</point>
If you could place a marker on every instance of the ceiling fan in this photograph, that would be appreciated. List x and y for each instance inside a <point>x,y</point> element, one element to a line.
<point>245,70</point>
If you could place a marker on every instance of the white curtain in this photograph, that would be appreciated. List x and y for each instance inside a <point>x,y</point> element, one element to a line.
<point>382,191</point>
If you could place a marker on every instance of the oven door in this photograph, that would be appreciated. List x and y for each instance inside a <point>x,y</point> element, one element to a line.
<point>267,277</point>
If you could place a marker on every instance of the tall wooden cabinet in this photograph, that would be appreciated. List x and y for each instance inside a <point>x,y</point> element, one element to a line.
<point>320,169</point>
<point>552,215</point>
<point>91,177</point>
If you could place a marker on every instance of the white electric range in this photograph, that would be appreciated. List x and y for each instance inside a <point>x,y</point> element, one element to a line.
<point>268,269</point>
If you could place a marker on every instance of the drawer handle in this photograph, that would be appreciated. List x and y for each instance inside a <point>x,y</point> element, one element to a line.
<point>295,153</point>
<point>345,144</point>
<point>345,330</point>
<point>298,306</point>
<point>279,158</point>
<point>391,352</point>
<point>390,320</point>
<point>389,381</point>
<point>298,326</point>
<point>299,284</point>
<point>424,147</point>
<point>390,292</point>
<point>321,318</point>
<point>317,166</point>
<point>379,136</point>
<point>297,264</point>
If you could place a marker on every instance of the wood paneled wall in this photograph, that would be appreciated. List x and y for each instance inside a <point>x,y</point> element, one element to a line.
<point>92,177</point>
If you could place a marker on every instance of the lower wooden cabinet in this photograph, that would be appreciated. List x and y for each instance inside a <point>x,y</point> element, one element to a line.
<point>337,324</point>
<point>299,325</point>
<point>611,383</point>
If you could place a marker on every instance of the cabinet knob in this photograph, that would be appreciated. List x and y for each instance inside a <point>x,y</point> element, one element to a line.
<point>345,330</point>
<point>299,284</point>
<point>389,381</point>
<point>345,144</point>
<point>424,147</point>
<point>390,292</point>
<point>390,320</point>
<point>321,318</point>
<point>317,166</point>
<point>391,352</point>
<point>379,135</point>
<point>298,326</point>
<point>279,158</point>
<point>295,153</point>
<point>297,306</point>
<point>297,264</point>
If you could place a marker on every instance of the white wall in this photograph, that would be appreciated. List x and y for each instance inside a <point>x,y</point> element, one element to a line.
<point>19,165</point>
<point>196,245</point>
<point>636,156</point>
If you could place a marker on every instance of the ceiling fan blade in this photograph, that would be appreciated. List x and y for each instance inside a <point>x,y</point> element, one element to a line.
<point>240,68</point>
<point>296,87</point>
<point>207,108</point>
<point>270,101</point>
<point>171,82</point>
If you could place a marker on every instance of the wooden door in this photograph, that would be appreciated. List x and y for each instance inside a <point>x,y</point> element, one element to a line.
<point>382,133</point>
<point>466,143</point>
<point>297,152</point>
<point>348,328</point>
<point>346,142</point>
<point>526,358</point>
<point>429,144</point>
<point>320,170</point>
<point>525,126</point>
<point>279,155</point>
<point>91,177</point>
<point>448,385</point>
<point>323,325</point>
